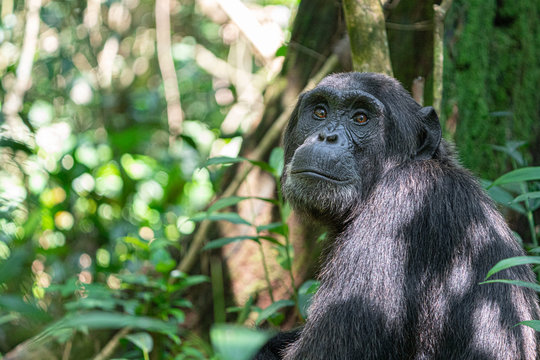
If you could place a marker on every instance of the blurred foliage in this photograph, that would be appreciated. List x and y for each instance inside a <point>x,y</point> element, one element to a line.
<point>95,207</point>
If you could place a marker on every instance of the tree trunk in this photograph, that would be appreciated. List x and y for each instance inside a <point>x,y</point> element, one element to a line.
<point>367,33</point>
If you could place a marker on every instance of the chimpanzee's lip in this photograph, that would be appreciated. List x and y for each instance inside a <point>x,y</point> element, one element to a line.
<point>317,174</point>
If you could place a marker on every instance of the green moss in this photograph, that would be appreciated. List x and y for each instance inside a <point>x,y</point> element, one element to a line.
<point>491,74</point>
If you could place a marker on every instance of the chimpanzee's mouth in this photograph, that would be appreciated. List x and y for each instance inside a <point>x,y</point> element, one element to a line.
<point>317,174</point>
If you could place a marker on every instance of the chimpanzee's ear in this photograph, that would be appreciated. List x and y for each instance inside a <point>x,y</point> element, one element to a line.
<point>430,136</point>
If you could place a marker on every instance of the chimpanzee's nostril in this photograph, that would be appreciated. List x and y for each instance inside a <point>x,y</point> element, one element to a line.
<point>321,136</point>
<point>331,138</point>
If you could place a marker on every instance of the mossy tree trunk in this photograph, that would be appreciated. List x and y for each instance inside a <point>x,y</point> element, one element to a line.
<point>367,33</point>
<point>492,72</point>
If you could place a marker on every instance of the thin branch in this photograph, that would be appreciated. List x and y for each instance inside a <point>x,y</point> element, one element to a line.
<point>264,146</point>
<point>175,115</point>
<point>438,52</point>
<point>419,26</point>
<point>14,98</point>
<point>108,350</point>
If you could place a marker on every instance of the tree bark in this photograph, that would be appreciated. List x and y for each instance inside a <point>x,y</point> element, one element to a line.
<point>367,33</point>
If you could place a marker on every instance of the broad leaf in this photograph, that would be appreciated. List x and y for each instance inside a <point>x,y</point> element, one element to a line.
<point>535,324</point>
<point>518,175</point>
<point>272,309</point>
<point>142,340</point>
<point>233,342</point>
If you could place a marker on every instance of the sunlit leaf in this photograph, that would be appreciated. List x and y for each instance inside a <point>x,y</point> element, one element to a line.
<point>276,161</point>
<point>514,261</point>
<point>233,342</point>
<point>142,340</point>
<point>138,243</point>
<point>223,160</point>
<point>518,175</point>
<point>535,324</point>
<point>282,51</point>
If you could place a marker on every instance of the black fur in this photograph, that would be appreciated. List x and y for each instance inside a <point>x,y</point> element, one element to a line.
<point>413,234</point>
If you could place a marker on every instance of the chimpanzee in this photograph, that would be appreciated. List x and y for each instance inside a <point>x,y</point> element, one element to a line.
<point>412,234</point>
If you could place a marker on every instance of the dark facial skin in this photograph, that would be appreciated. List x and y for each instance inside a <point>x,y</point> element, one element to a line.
<point>333,127</point>
<point>412,235</point>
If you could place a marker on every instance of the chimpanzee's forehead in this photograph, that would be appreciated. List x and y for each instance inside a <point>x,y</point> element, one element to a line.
<point>343,96</point>
<point>372,83</point>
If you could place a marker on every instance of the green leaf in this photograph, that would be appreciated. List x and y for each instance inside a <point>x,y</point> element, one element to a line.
<point>282,51</point>
<point>194,280</point>
<point>276,161</point>
<point>226,202</point>
<point>245,310</point>
<point>519,175</point>
<point>305,294</point>
<point>510,149</point>
<point>272,309</point>
<point>535,324</point>
<point>503,197</point>
<point>138,243</point>
<point>16,304</point>
<point>215,244</point>
<point>534,286</point>
<point>283,258</point>
<point>514,261</point>
<point>230,217</point>
<point>12,266</point>
<point>233,342</point>
<point>277,227</point>
<point>527,196</point>
<point>141,340</point>
<point>178,314</point>
<point>15,145</point>
<point>103,320</point>
<point>223,160</point>
<point>162,260</point>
